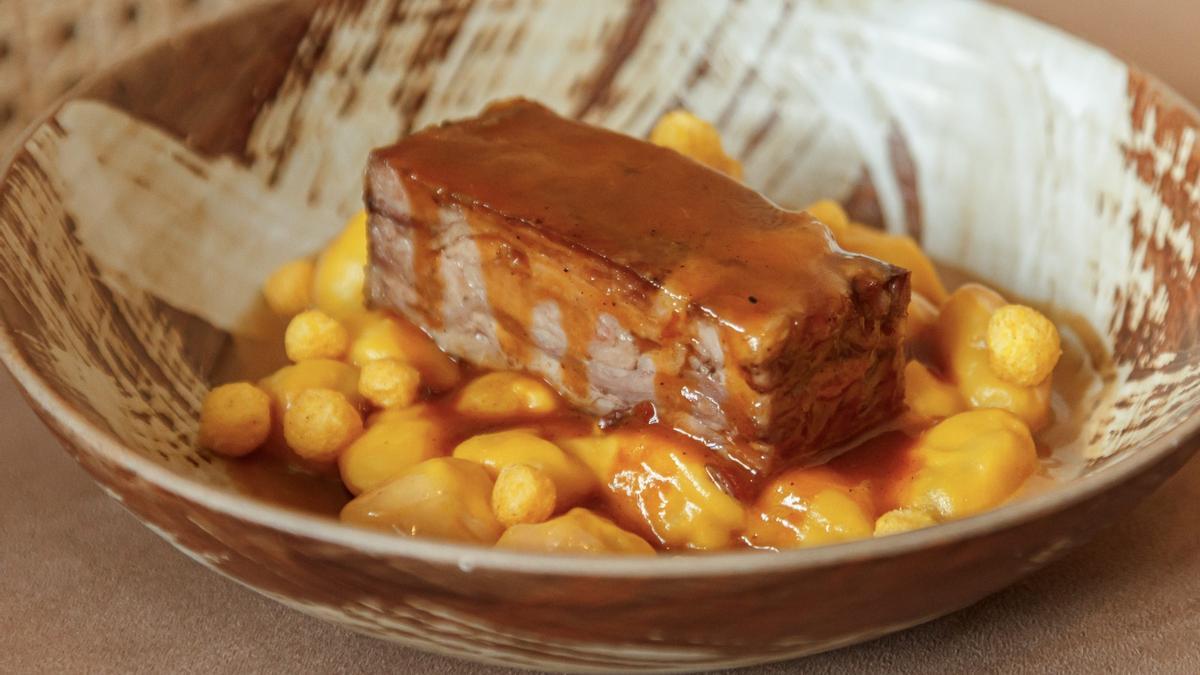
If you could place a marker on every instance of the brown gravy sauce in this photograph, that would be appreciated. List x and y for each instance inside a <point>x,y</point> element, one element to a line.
<point>1083,374</point>
<point>729,252</point>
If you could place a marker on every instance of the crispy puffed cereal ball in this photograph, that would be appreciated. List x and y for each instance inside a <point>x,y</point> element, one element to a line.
<point>1023,345</point>
<point>903,520</point>
<point>496,450</point>
<point>695,139</point>
<point>320,424</point>
<point>315,335</point>
<point>235,419</point>
<point>288,291</point>
<point>389,383</point>
<point>831,213</point>
<point>285,385</point>
<point>523,494</point>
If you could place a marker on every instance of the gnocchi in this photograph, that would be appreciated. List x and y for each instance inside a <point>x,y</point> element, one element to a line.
<point>391,444</point>
<point>667,489</point>
<point>500,450</point>
<point>809,507</point>
<point>506,394</point>
<point>443,498</point>
<point>961,341</point>
<point>969,463</point>
<point>577,531</point>
<point>340,273</point>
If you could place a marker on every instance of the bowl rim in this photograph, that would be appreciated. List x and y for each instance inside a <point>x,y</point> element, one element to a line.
<point>78,430</point>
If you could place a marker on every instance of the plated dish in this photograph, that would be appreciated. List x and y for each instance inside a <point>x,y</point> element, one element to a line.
<point>140,219</point>
<point>546,336</point>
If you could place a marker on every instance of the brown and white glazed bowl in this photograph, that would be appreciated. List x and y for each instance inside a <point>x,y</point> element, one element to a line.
<point>138,218</point>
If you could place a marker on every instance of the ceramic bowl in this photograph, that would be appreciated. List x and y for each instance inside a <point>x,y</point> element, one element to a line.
<point>137,219</point>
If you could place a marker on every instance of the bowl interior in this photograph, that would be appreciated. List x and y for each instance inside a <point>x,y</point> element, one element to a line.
<point>138,221</point>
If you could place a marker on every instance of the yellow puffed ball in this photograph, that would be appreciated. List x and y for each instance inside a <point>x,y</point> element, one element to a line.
<point>235,419</point>
<point>523,494</point>
<point>573,481</point>
<point>315,335</point>
<point>967,464</point>
<point>1023,345</point>
<point>394,441</point>
<point>320,424</point>
<point>288,291</point>
<point>389,383</point>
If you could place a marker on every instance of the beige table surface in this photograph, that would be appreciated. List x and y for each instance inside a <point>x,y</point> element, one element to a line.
<point>85,588</point>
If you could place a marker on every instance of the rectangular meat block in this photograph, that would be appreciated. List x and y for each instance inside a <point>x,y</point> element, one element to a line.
<point>622,273</point>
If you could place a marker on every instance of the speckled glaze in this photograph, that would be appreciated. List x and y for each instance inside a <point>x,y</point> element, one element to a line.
<point>138,218</point>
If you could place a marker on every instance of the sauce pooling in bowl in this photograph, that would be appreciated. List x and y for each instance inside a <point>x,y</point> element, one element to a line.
<point>438,448</point>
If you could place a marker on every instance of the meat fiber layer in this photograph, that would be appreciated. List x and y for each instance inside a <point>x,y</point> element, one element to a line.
<point>623,272</point>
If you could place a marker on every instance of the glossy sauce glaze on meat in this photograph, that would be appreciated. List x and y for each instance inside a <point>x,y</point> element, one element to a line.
<point>626,274</point>
<point>375,422</point>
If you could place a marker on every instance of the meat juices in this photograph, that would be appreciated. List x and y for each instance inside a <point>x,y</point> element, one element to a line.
<point>622,272</point>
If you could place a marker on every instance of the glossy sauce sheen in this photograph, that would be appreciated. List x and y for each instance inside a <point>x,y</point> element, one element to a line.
<point>689,238</point>
<point>705,239</point>
<point>883,461</point>
<point>745,325</point>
